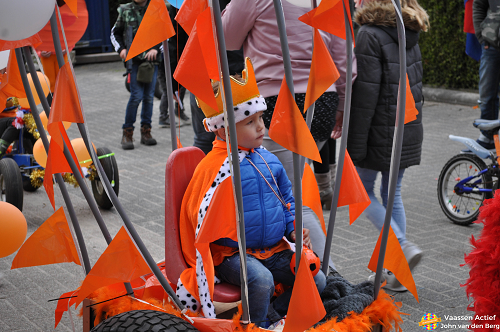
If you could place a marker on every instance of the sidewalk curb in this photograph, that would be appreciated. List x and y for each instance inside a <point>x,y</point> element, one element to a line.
<point>450,96</point>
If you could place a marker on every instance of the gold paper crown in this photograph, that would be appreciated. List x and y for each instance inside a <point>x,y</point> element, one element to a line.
<point>241,91</point>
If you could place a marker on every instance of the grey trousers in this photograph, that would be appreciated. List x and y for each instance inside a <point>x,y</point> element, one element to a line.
<point>309,218</point>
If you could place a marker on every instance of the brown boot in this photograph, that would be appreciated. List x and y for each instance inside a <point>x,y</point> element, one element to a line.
<point>127,139</point>
<point>146,137</point>
<point>325,189</point>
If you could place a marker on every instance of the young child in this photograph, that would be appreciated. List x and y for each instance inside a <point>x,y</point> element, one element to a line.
<point>9,132</point>
<point>268,207</point>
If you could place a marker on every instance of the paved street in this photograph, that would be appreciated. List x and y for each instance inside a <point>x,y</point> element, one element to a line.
<point>24,292</point>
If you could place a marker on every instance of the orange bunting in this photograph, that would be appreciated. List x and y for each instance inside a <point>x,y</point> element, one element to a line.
<point>329,17</point>
<point>207,41</point>
<point>306,307</point>
<point>395,261</point>
<point>352,192</point>
<point>192,73</point>
<point>189,12</point>
<point>73,6</point>
<point>65,301</point>
<point>66,103</point>
<point>12,84</point>
<point>289,129</point>
<point>310,195</point>
<point>323,71</point>
<point>155,28</point>
<point>34,41</point>
<point>51,243</point>
<point>120,262</point>
<point>411,111</point>
<point>179,145</point>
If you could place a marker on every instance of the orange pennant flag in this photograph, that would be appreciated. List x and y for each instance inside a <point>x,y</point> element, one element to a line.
<point>192,73</point>
<point>310,195</point>
<point>73,6</point>
<point>120,262</point>
<point>155,28</point>
<point>189,12</point>
<point>66,103</point>
<point>65,301</point>
<point>34,41</point>
<point>395,261</point>
<point>329,17</point>
<point>323,71</point>
<point>306,307</point>
<point>12,84</point>
<point>411,111</point>
<point>205,31</point>
<point>352,192</point>
<point>289,129</point>
<point>179,145</point>
<point>51,243</point>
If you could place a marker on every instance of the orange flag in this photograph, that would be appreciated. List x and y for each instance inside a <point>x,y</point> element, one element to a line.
<point>323,71</point>
<point>188,13</point>
<point>179,145</point>
<point>306,307</point>
<point>120,262</point>
<point>289,129</point>
<point>155,28</point>
<point>410,109</point>
<point>352,192</point>
<point>310,195</point>
<point>34,41</point>
<point>394,261</point>
<point>192,73</point>
<point>12,84</point>
<point>329,17</point>
<point>73,6</point>
<point>65,301</point>
<point>51,243</point>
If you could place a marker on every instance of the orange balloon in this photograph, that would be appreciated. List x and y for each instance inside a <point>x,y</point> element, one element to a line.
<point>13,229</point>
<point>39,152</point>
<point>45,83</point>
<point>81,151</point>
<point>43,118</point>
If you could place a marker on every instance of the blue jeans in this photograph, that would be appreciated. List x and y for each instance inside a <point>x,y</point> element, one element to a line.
<point>489,82</point>
<point>375,212</point>
<point>140,92</point>
<point>261,277</point>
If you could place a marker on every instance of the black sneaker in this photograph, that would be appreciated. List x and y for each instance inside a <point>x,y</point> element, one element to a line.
<point>185,120</point>
<point>166,123</point>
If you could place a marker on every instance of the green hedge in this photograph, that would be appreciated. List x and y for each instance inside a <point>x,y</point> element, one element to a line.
<point>443,47</point>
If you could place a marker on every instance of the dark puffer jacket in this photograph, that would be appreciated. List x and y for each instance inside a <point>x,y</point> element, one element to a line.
<point>374,99</point>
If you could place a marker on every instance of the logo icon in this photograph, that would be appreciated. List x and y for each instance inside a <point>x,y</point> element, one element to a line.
<point>429,321</point>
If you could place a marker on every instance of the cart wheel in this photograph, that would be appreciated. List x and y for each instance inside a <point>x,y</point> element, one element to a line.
<point>144,320</point>
<point>11,183</point>
<point>111,170</point>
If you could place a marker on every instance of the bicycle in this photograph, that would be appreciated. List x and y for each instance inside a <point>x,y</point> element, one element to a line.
<point>466,180</point>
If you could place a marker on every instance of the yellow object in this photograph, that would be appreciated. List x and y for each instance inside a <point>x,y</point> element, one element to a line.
<point>241,91</point>
<point>44,82</point>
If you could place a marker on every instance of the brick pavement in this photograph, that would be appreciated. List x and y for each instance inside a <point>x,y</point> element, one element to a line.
<point>24,292</point>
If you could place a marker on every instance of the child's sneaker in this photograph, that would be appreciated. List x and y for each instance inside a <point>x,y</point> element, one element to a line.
<point>392,283</point>
<point>277,326</point>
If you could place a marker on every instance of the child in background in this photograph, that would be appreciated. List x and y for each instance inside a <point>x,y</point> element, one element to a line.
<point>268,206</point>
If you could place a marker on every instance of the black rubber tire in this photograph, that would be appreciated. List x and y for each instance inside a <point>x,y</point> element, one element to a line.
<point>158,92</point>
<point>111,169</point>
<point>144,320</point>
<point>11,183</point>
<point>462,209</point>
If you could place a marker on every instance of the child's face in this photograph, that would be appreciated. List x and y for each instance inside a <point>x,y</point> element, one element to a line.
<point>251,131</point>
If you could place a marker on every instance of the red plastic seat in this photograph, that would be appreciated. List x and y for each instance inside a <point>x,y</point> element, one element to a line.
<point>179,170</point>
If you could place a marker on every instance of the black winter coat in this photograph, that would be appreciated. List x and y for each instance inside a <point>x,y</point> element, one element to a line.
<point>374,99</point>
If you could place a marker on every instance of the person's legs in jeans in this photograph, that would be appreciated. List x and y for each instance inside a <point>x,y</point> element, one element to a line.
<point>147,101</point>
<point>163,87</point>
<point>202,138</point>
<point>375,212</point>
<point>398,209</point>
<point>489,80</point>
<point>136,94</point>
<point>260,285</point>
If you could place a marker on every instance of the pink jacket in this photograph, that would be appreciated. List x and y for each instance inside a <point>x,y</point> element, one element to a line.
<point>252,24</point>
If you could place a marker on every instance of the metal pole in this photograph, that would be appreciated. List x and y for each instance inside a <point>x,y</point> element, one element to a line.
<point>343,143</point>
<point>112,195</point>
<point>170,94</point>
<point>396,144</point>
<point>234,155</point>
<point>59,179</point>
<point>280,17</point>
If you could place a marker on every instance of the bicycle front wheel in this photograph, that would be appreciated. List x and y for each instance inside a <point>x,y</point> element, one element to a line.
<point>462,208</point>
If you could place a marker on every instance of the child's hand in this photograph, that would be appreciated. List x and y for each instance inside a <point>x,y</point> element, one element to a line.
<point>123,54</point>
<point>305,237</point>
<point>151,55</point>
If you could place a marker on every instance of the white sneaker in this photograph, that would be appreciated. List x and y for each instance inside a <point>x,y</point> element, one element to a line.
<point>277,326</point>
<point>392,283</point>
<point>413,254</point>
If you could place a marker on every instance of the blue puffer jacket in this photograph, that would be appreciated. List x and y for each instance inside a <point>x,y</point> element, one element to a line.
<point>266,219</point>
